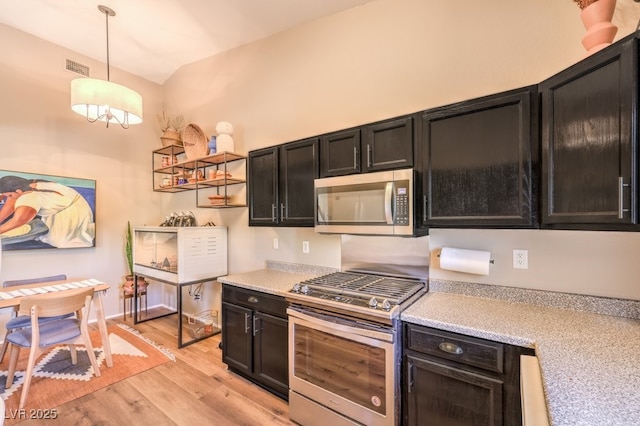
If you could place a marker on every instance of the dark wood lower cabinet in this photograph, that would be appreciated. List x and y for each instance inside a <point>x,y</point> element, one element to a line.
<point>254,337</point>
<point>270,351</point>
<point>452,379</point>
<point>443,395</point>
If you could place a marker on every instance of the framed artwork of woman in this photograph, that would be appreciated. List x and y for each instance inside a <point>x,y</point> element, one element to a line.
<point>41,211</point>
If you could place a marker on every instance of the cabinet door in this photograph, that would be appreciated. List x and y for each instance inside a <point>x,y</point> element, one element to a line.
<point>589,133</point>
<point>263,187</point>
<point>298,169</point>
<point>270,356</point>
<point>340,153</point>
<point>480,161</point>
<point>237,337</point>
<point>388,145</point>
<point>440,395</point>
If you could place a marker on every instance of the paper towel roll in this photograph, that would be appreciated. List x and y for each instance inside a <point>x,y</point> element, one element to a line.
<point>462,260</point>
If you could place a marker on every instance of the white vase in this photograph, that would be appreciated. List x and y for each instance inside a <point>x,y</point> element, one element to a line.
<point>224,141</point>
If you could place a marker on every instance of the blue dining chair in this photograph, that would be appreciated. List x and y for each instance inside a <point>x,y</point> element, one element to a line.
<point>40,337</point>
<point>19,322</point>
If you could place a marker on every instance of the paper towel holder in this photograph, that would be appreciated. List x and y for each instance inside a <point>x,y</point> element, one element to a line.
<point>491,261</point>
<point>465,260</point>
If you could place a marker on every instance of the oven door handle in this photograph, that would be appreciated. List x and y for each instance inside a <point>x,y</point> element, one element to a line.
<point>315,322</point>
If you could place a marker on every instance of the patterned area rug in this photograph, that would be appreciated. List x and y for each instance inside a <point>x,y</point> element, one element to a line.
<point>57,381</point>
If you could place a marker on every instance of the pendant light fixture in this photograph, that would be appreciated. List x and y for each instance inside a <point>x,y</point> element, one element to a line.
<point>103,100</point>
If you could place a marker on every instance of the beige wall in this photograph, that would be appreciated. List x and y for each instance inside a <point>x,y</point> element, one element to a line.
<point>391,57</point>
<point>383,59</point>
<point>39,133</point>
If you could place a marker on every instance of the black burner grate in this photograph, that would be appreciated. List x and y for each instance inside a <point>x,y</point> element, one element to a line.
<point>396,290</point>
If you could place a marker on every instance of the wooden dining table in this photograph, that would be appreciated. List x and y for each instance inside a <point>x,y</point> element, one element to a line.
<point>10,297</point>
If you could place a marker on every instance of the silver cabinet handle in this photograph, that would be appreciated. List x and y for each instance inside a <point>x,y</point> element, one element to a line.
<point>368,155</point>
<point>273,212</point>
<point>424,208</point>
<point>252,299</point>
<point>621,186</point>
<point>450,348</point>
<point>410,376</point>
<point>247,327</point>
<point>281,211</point>
<point>355,158</point>
<point>255,326</point>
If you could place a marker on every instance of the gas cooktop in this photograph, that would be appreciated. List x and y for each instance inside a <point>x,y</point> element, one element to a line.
<point>381,296</point>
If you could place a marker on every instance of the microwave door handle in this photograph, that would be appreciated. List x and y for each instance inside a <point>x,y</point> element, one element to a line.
<point>388,200</point>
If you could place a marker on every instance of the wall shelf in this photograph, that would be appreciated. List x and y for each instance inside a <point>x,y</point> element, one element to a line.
<point>195,174</point>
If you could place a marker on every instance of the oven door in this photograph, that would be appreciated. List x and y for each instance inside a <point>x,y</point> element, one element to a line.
<point>339,366</point>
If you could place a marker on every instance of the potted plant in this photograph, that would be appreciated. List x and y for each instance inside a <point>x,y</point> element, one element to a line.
<point>171,128</point>
<point>128,252</point>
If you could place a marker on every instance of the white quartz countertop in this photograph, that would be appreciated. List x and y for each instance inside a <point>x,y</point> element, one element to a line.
<point>590,363</point>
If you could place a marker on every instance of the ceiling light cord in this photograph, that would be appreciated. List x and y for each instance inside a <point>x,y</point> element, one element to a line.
<point>106,17</point>
<point>107,113</point>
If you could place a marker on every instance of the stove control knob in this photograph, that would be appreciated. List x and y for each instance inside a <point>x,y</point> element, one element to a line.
<point>305,289</point>
<point>296,288</point>
<point>373,303</point>
<point>386,305</point>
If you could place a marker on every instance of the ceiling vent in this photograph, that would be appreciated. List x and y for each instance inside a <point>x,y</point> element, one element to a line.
<point>77,67</point>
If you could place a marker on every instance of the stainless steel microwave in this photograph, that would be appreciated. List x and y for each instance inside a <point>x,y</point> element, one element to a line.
<point>378,203</point>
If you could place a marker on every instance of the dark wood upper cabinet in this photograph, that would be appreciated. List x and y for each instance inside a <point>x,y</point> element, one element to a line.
<point>384,145</point>
<point>280,188</point>
<point>262,184</point>
<point>298,169</point>
<point>589,142</point>
<point>388,144</point>
<point>340,153</point>
<point>479,162</point>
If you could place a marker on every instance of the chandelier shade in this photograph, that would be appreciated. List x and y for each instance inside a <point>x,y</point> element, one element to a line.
<point>103,100</point>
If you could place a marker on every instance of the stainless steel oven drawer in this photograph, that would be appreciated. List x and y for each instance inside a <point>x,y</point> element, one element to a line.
<point>466,350</point>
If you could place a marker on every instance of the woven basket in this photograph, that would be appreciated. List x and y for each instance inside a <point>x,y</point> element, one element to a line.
<point>170,138</point>
<point>195,142</point>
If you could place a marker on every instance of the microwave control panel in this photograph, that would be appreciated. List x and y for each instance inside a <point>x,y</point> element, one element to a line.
<point>402,206</point>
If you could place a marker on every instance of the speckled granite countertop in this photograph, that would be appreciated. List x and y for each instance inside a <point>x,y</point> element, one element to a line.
<point>589,362</point>
<point>277,278</point>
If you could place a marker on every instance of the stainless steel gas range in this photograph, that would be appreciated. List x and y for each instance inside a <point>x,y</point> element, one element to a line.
<point>368,296</point>
<point>345,346</point>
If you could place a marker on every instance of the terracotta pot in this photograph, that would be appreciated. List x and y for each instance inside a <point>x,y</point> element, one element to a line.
<point>597,20</point>
<point>128,284</point>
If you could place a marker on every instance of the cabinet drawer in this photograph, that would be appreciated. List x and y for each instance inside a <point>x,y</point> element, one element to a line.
<point>455,347</point>
<point>263,302</point>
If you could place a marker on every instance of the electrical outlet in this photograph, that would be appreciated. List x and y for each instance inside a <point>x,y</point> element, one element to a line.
<point>276,244</point>
<point>521,259</point>
<point>305,246</point>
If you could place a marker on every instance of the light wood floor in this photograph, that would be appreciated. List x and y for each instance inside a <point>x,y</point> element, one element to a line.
<point>195,390</point>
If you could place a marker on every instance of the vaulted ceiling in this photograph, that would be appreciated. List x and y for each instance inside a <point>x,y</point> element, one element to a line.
<point>153,38</point>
